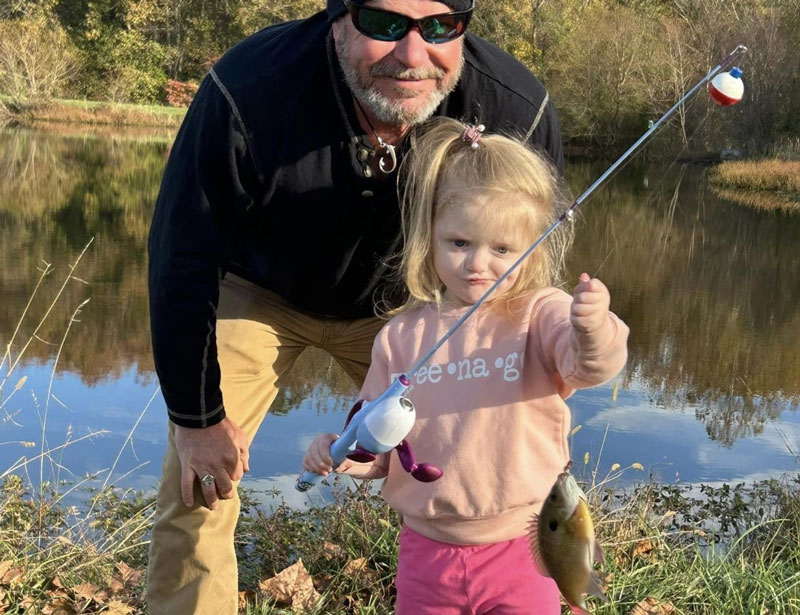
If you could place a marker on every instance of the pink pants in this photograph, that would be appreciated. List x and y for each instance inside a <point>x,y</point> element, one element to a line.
<point>436,578</point>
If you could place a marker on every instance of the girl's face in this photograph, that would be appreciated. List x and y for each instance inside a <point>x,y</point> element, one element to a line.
<point>471,250</point>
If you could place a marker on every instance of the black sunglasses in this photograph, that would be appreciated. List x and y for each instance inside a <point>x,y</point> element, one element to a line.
<point>389,26</point>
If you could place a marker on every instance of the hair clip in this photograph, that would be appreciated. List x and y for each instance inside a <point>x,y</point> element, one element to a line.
<point>472,134</point>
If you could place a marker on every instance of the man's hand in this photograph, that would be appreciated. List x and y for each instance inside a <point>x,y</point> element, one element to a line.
<point>221,451</point>
<point>590,302</point>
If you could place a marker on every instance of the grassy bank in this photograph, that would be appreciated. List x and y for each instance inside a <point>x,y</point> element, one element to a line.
<point>101,113</point>
<point>770,184</point>
<point>669,549</point>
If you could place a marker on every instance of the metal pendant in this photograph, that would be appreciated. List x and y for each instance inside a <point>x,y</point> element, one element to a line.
<point>392,156</point>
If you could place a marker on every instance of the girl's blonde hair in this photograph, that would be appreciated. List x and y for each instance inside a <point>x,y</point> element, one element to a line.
<point>519,186</point>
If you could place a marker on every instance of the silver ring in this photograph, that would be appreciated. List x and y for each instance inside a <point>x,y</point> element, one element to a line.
<point>207,480</point>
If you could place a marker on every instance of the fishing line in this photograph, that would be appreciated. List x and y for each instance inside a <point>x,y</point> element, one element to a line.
<point>659,188</point>
<point>569,213</point>
<point>382,424</point>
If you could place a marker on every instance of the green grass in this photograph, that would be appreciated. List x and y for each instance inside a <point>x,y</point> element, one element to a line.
<point>93,105</point>
<point>712,551</point>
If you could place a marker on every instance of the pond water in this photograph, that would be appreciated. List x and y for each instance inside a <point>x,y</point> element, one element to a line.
<point>709,288</point>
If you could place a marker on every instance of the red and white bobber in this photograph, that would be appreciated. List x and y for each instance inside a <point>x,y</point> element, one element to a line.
<point>727,88</point>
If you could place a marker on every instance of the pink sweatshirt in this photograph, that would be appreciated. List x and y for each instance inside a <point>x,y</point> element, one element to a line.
<point>490,410</point>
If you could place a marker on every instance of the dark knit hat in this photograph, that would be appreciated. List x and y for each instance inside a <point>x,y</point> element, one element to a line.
<point>336,8</point>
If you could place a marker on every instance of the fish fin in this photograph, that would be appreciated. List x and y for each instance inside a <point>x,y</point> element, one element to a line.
<point>599,556</point>
<point>595,588</point>
<point>533,539</point>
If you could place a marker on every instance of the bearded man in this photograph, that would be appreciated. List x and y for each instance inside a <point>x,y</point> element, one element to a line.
<point>277,213</point>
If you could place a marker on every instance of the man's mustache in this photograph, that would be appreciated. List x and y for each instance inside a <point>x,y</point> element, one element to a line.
<point>392,68</point>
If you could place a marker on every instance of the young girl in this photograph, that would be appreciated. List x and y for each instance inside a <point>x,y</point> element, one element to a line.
<point>490,403</point>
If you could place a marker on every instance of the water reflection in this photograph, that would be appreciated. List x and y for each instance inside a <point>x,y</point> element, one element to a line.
<point>710,290</point>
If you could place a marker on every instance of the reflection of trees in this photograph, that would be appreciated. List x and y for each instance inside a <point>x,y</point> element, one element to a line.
<point>710,291</point>
<point>315,378</point>
<point>56,194</point>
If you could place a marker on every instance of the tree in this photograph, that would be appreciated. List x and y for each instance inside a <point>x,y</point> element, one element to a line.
<point>36,60</point>
<point>603,80</point>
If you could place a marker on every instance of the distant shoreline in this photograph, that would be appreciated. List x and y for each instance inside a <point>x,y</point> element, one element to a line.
<point>768,184</point>
<point>102,113</point>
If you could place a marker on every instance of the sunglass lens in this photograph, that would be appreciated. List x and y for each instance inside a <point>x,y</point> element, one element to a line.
<point>442,28</point>
<point>381,25</point>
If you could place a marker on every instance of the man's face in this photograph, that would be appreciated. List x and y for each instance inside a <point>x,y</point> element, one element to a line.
<point>401,82</point>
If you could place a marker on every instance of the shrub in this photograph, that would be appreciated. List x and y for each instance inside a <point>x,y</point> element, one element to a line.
<point>179,93</point>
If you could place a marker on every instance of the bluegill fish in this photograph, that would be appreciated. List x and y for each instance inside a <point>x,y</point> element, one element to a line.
<point>563,543</point>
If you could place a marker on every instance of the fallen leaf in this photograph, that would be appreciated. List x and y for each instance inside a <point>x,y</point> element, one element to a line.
<point>651,606</point>
<point>292,585</point>
<point>85,590</point>
<point>643,548</point>
<point>5,567</point>
<point>128,575</point>
<point>323,581</point>
<point>117,607</point>
<point>12,576</point>
<point>58,606</point>
<point>333,550</point>
<point>358,568</point>
<point>56,582</point>
<point>101,597</point>
<point>116,585</point>
<point>246,597</point>
<point>355,565</point>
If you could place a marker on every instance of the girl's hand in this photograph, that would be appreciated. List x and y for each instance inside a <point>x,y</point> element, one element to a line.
<point>318,456</point>
<point>590,302</point>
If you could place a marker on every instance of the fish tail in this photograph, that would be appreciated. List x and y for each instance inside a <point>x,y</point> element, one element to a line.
<point>595,588</point>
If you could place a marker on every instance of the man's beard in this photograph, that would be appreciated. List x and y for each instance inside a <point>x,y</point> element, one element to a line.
<point>386,109</point>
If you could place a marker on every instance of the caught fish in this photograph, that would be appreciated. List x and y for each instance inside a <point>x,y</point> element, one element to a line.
<point>563,543</point>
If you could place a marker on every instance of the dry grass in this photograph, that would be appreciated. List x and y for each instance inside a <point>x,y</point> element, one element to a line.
<point>772,184</point>
<point>782,175</point>
<point>99,113</point>
<point>760,199</point>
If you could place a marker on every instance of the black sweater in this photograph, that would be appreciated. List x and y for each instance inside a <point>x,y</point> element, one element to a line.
<point>264,181</point>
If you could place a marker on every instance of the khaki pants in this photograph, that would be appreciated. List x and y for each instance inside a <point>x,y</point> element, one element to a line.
<point>192,565</point>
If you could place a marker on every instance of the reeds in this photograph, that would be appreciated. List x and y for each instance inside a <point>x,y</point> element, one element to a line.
<point>772,184</point>
<point>104,113</point>
<point>55,557</point>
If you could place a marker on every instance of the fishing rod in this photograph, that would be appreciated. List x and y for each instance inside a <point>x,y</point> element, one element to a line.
<point>379,426</point>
